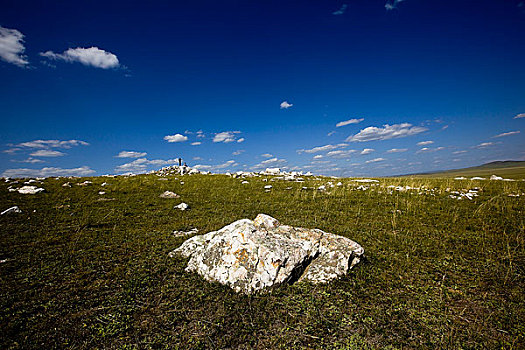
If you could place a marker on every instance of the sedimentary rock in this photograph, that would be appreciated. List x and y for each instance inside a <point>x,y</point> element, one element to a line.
<point>255,255</point>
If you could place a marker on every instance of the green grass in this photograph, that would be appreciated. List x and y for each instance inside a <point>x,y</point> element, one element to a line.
<point>440,272</point>
<point>507,169</point>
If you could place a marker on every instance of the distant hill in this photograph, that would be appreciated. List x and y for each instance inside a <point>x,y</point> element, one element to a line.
<point>508,168</point>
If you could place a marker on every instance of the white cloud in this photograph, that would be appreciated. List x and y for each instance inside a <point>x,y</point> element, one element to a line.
<point>341,11</point>
<point>226,136</point>
<point>12,150</point>
<point>196,143</point>
<point>367,151</point>
<point>340,153</point>
<point>176,138</point>
<point>47,153</point>
<point>330,133</point>
<point>236,153</point>
<point>323,148</point>
<point>52,144</point>
<point>373,133</point>
<point>200,133</point>
<point>507,134</point>
<point>427,149</point>
<point>269,163</point>
<point>12,47</point>
<point>29,160</point>
<point>92,56</point>
<point>228,164</point>
<point>521,115</point>
<point>319,156</point>
<point>485,144</point>
<point>285,105</point>
<point>266,155</point>
<point>459,152</point>
<point>141,165</point>
<point>131,154</point>
<point>47,172</point>
<point>392,4</point>
<point>240,140</point>
<point>374,160</point>
<point>424,143</point>
<point>349,121</point>
<point>397,150</point>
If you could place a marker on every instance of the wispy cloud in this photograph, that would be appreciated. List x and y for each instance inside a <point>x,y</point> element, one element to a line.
<point>322,148</point>
<point>47,153</point>
<point>392,4</point>
<point>375,160</point>
<point>341,10</point>
<point>131,154</point>
<point>47,172</point>
<point>285,105</point>
<point>266,155</point>
<point>507,134</point>
<point>397,150</point>
<point>226,136</point>
<point>367,151</point>
<point>387,132</point>
<point>484,145</point>
<point>12,150</point>
<point>518,116</point>
<point>12,47</point>
<point>238,152</point>
<point>92,56</point>
<point>176,138</point>
<point>29,160</point>
<point>52,144</point>
<point>269,163</point>
<point>427,149</point>
<point>197,143</point>
<point>341,153</point>
<point>459,152</point>
<point>240,140</point>
<point>218,167</point>
<point>425,143</point>
<point>349,121</point>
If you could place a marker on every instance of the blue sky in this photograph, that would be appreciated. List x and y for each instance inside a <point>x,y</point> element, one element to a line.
<point>344,88</point>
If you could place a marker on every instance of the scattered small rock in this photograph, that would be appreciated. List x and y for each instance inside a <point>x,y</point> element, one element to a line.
<point>12,210</point>
<point>185,233</point>
<point>182,206</point>
<point>169,194</point>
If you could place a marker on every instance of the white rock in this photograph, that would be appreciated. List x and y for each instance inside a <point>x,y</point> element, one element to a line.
<point>182,206</point>
<point>267,187</point>
<point>30,190</point>
<point>249,256</point>
<point>169,194</point>
<point>245,182</point>
<point>495,177</point>
<point>12,210</point>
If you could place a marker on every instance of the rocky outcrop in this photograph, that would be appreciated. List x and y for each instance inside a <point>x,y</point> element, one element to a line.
<point>255,255</point>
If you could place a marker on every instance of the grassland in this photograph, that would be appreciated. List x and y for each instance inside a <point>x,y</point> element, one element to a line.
<point>507,169</point>
<point>81,272</point>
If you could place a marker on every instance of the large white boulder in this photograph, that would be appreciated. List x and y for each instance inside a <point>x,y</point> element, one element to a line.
<point>249,256</point>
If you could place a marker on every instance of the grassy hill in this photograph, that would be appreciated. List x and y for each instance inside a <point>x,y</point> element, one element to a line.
<point>83,270</point>
<point>507,169</point>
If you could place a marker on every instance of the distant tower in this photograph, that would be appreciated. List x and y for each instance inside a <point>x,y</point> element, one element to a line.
<point>180,161</point>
